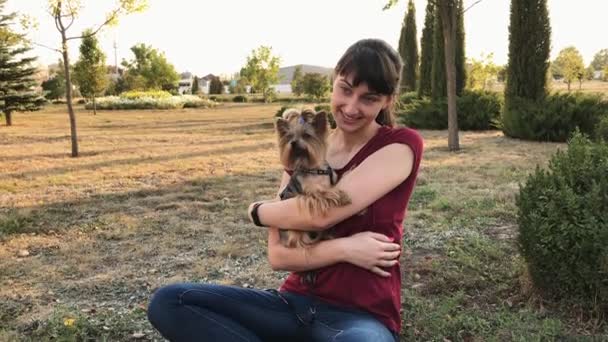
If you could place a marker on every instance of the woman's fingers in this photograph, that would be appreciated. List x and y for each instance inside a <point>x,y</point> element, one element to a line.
<point>389,247</point>
<point>387,263</point>
<point>391,255</point>
<point>377,270</point>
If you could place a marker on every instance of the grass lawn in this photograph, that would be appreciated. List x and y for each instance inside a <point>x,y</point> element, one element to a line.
<point>160,196</point>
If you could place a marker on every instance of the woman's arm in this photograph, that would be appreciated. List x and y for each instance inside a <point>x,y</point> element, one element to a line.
<point>368,250</point>
<point>377,175</point>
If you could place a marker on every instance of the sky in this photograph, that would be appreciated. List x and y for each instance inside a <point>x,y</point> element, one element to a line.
<point>216,37</point>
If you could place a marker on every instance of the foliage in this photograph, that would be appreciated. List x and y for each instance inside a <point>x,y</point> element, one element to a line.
<point>136,94</point>
<point>438,78</point>
<point>482,73</point>
<point>408,49</point>
<point>426,53</point>
<point>315,85</point>
<point>239,98</point>
<point>569,64</point>
<point>563,223</point>
<point>600,60</point>
<point>16,71</point>
<point>54,87</point>
<point>160,102</point>
<point>149,70</point>
<point>262,71</point>
<point>601,131</point>
<point>529,49</point>
<point>90,71</point>
<point>297,87</point>
<point>477,110</point>
<point>195,86</point>
<point>216,86</point>
<point>553,118</point>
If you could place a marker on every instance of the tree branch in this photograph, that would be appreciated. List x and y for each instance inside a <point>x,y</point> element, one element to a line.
<point>45,46</point>
<point>475,3</point>
<point>110,18</point>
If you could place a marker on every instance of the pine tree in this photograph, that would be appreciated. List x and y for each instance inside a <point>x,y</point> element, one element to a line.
<point>529,48</point>
<point>90,72</point>
<point>438,79</point>
<point>409,53</point>
<point>195,86</point>
<point>461,77</point>
<point>16,73</point>
<point>426,53</point>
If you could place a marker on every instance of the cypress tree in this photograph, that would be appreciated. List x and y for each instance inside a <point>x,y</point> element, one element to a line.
<point>460,50</point>
<point>529,48</point>
<point>16,73</point>
<point>426,53</point>
<point>410,50</point>
<point>195,86</point>
<point>438,79</point>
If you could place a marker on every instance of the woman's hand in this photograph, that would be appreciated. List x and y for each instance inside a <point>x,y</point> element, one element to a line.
<point>371,251</point>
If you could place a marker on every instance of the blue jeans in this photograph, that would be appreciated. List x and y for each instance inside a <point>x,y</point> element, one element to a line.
<point>205,312</point>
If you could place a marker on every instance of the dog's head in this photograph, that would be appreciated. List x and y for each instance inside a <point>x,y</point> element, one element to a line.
<point>302,138</point>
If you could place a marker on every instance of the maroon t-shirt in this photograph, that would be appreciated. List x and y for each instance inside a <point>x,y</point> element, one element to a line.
<point>347,285</point>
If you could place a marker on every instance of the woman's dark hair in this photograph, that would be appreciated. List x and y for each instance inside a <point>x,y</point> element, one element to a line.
<point>377,64</point>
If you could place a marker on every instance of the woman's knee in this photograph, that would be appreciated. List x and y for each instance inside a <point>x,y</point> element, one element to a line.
<point>163,301</point>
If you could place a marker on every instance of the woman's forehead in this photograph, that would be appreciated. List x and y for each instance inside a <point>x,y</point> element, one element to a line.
<point>350,80</point>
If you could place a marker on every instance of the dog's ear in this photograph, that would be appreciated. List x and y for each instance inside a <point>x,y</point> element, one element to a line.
<point>282,126</point>
<point>319,122</point>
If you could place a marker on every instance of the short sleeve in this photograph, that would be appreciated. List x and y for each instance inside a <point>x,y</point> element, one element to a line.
<point>410,137</point>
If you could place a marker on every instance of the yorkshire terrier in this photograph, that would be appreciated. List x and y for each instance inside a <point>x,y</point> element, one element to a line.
<point>303,146</point>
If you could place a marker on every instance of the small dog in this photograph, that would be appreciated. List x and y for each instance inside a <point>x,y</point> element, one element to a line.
<point>302,140</point>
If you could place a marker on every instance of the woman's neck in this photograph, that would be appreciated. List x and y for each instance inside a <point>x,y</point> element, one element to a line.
<point>349,141</point>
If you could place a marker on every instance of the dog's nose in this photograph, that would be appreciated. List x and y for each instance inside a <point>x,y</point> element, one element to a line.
<point>294,144</point>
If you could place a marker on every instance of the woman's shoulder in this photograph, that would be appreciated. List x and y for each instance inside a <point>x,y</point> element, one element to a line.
<point>403,135</point>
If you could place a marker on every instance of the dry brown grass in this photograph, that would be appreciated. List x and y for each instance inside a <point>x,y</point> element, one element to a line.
<point>160,196</point>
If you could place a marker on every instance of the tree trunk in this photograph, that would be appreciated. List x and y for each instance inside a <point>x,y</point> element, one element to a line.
<point>568,85</point>
<point>447,10</point>
<point>68,94</point>
<point>94,106</point>
<point>9,118</point>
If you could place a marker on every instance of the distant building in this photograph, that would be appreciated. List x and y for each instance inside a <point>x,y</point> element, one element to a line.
<point>187,80</point>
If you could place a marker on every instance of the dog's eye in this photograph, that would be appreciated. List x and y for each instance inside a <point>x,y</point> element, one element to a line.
<point>305,135</point>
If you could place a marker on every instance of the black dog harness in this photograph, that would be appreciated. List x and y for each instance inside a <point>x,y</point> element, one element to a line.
<point>294,186</point>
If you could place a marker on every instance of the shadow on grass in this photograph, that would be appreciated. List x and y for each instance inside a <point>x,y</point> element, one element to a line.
<point>141,160</point>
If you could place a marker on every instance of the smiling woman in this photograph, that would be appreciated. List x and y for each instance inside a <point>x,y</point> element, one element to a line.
<point>356,295</point>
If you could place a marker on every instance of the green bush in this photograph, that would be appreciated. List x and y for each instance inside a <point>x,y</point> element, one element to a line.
<point>554,118</point>
<point>407,98</point>
<point>239,98</point>
<point>563,222</point>
<point>477,110</point>
<point>601,131</point>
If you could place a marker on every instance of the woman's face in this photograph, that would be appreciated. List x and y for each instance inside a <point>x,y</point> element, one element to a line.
<point>357,107</point>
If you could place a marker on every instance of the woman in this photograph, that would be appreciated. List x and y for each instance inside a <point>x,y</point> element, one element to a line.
<point>356,295</point>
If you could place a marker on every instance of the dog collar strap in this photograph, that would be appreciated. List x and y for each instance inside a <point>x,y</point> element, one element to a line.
<point>328,171</point>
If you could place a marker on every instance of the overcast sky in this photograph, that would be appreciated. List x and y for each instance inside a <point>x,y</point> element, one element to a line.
<point>216,36</point>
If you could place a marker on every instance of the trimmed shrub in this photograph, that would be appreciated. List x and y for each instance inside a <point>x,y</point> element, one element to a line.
<point>554,118</point>
<point>171,102</point>
<point>239,98</point>
<point>477,110</point>
<point>154,94</point>
<point>563,223</point>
